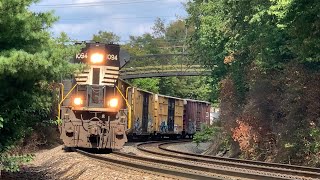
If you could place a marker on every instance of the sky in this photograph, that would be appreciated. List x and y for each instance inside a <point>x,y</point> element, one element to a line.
<point>80,19</point>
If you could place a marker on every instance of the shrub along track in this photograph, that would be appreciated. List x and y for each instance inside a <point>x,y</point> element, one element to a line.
<point>231,166</point>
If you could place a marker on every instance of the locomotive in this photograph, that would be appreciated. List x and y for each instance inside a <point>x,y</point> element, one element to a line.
<point>101,111</point>
<point>91,109</point>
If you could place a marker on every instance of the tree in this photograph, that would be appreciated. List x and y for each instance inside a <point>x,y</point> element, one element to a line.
<point>176,33</point>
<point>146,43</point>
<point>148,84</point>
<point>303,24</point>
<point>106,37</point>
<point>165,40</point>
<point>159,28</point>
<point>30,61</point>
<point>140,46</point>
<point>262,53</point>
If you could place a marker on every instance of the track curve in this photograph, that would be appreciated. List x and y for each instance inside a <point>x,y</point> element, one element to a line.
<point>266,170</point>
<point>151,167</point>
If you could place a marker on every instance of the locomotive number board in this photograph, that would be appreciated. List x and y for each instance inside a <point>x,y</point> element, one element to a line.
<point>99,54</point>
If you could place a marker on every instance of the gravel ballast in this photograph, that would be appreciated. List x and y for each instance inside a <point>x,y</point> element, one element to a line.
<point>190,147</point>
<point>57,164</point>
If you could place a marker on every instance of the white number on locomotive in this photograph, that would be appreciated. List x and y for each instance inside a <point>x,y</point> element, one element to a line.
<point>112,57</point>
<point>85,55</point>
<point>81,55</point>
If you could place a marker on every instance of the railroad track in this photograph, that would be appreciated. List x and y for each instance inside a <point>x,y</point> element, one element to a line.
<point>242,168</point>
<point>151,165</point>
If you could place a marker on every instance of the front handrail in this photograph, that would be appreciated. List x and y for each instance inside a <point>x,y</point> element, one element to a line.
<point>63,98</point>
<point>129,107</point>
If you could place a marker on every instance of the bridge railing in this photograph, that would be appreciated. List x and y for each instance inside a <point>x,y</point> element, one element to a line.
<point>163,70</point>
<point>162,65</point>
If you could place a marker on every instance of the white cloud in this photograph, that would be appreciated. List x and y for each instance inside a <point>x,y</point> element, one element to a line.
<point>176,1</point>
<point>86,1</point>
<point>141,29</point>
<point>123,19</point>
<point>72,30</point>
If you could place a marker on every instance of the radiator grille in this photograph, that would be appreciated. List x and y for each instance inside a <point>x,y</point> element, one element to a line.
<point>108,76</point>
<point>83,77</point>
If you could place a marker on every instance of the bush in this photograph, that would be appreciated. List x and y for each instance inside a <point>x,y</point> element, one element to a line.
<point>12,162</point>
<point>206,134</point>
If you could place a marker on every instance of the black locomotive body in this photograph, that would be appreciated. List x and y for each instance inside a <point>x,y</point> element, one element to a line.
<point>92,107</point>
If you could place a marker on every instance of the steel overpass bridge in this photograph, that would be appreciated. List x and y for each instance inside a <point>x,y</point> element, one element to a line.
<point>161,65</point>
<point>163,71</point>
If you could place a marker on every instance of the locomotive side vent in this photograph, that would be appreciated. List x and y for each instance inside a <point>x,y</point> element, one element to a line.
<point>83,77</point>
<point>110,75</point>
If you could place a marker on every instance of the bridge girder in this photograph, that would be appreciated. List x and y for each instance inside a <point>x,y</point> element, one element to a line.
<point>162,65</point>
<point>163,71</point>
<point>164,74</point>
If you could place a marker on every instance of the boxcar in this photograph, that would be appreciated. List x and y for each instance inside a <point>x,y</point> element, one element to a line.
<point>196,114</point>
<point>154,114</point>
<point>159,115</point>
<point>169,121</point>
<point>142,108</point>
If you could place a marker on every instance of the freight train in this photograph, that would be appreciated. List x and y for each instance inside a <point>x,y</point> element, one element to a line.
<point>99,110</point>
<point>156,115</point>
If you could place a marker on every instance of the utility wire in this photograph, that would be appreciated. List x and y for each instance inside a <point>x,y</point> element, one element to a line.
<point>98,3</point>
<point>120,18</point>
<point>128,42</point>
<point>137,43</point>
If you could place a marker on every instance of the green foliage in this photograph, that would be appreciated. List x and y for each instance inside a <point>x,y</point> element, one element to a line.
<point>302,23</point>
<point>58,121</point>
<point>269,50</point>
<point>236,34</point>
<point>30,63</point>
<point>106,37</point>
<point>159,28</point>
<point>315,134</point>
<point>206,134</point>
<point>186,87</point>
<point>23,29</point>
<point>146,43</point>
<point>166,40</point>
<point>148,84</point>
<point>12,162</point>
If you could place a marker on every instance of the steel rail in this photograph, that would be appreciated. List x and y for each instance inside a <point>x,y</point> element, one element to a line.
<point>202,168</point>
<point>144,166</point>
<point>260,163</point>
<point>260,166</point>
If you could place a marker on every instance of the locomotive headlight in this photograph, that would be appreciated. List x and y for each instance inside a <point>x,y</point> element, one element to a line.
<point>113,102</point>
<point>96,58</point>
<point>77,101</point>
